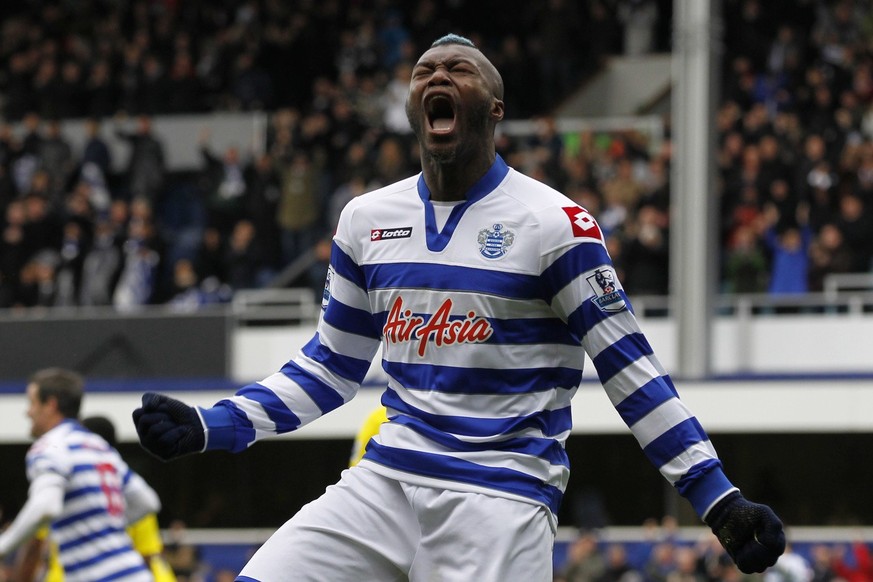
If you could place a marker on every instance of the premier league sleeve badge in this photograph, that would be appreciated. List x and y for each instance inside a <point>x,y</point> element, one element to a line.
<point>607,296</point>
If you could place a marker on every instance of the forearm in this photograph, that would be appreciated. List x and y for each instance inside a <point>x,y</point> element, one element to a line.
<point>280,403</point>
<point>325,374</point>
<point>44,503</point>
<point>28,561</point>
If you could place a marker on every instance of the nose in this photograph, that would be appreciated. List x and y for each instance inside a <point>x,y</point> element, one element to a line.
<point>440,76</point>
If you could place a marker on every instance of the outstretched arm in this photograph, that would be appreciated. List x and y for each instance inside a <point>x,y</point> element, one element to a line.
<point>588,295</point>
<point>325,374</point>
<point>45,502</point>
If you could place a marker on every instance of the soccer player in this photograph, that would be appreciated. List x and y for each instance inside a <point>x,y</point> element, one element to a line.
<point>144,533</point>
<point>484,288</point>
<point>81,486</point>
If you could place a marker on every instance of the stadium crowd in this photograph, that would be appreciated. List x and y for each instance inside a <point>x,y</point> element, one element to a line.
<point>331,74</point>
<point>663,556</point>
<point>795,128</point>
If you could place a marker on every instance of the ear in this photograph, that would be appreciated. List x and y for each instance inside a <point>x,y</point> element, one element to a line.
<point>52,403</point>
<point>497,110</point>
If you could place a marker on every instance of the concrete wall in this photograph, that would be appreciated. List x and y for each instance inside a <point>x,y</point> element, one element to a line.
<point>776,374</point>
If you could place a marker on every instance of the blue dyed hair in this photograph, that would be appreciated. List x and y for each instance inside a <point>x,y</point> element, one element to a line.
<point>452,38</point>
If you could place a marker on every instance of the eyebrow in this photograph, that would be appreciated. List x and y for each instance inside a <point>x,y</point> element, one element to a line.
<point>449,61</point>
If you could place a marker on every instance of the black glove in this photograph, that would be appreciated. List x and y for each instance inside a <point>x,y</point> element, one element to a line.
<point>168,428</point>
<point>750,532</point>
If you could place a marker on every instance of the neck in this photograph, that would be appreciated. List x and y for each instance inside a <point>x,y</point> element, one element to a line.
<point>450,181</point>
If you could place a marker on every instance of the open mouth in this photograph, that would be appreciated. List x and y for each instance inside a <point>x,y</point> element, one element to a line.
<point>440,114</point>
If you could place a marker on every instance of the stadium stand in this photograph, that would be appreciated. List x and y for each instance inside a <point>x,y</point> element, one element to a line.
<point>795,161</point>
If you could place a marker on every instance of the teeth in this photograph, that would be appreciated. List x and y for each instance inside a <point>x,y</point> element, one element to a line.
<point>443,124</point>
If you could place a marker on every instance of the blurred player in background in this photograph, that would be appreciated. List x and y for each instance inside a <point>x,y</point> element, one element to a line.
<point>484,288</point>
<point>80,487</point>
<point>144,533</point>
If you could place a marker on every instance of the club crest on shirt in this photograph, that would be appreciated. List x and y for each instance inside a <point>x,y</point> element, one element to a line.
<point>495,242</point>
<point>606,293</point>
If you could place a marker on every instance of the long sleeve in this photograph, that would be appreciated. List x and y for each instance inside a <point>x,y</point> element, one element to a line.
<point>45,502</point>
<point>325,374</point>
<point>586,292</point>
<point>140,499</point>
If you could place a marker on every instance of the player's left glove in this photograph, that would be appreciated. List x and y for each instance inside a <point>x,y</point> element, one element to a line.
<point>168,428</point>
<point>750,532</point>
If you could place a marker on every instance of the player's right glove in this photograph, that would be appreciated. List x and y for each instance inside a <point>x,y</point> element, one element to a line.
<point>168,428</point>
<point>750,532</point>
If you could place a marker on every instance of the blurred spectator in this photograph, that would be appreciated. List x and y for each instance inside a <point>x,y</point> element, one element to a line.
<point>299,204</point>
<point>394,97</point>
<point>251,87</point>
<point>183,86</point>
<point>223,184</point>
<point>14,252</point>
<point>346,129</point>
<point>70,93</point>
<point>137,281</point>
<point>646,253</point>
<point>181,554</point>
<point>55,157</point>
<point>790,567</point>
<point>621,192</point>
<point>661,562</point>
<point>188,293</point>
<point>261,204</point>
<point>858,568</point>
<point>37,284</point>
<point>855,221</point>
<point>618,569</point>
<point>96,151</point>
<point>243,260</point>
<point>146,165</point>
<point>639,19</point>
<point>789,249</point>
<point>154,88</point>
<point>828,254</point>
<point>822,563</point>
<point>557,38</point>
<point>102,94</point>
<point>25,155</point>
<point>746,268</point>
<point>71,261</point>
<point>101,266</point>
<point>585,562</point>
<point>392,163</point>
<point>209,262</point>
<point>42,226</point>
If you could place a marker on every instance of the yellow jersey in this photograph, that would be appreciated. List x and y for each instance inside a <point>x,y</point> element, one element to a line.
<point>369,429</point>
<point>146,537</point>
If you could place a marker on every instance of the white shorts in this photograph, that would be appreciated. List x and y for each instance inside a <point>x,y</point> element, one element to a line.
<point>368,527</point>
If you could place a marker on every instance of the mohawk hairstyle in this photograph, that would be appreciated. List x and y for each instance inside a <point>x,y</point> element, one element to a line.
<point>452,38</point>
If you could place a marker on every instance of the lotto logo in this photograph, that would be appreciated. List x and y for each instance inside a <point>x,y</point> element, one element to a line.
<point>390,233</point>
<point>582,223</point>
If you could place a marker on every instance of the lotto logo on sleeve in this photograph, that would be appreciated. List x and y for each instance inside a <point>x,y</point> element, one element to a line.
<point>390,233</point>
<point>582,223</point>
